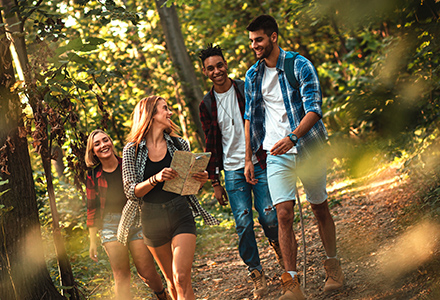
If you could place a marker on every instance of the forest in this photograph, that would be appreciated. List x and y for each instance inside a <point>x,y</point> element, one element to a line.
<point>69,67</point>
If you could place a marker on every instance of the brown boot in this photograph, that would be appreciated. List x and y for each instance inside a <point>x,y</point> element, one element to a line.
<point>334,279</point>
<point>163,295</point>
<point>276,247</point>
<point>260,285</point>
<point>291,288</point>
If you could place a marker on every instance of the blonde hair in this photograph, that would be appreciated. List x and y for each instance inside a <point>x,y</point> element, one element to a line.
<point>90,158</point>
<point>142,117</point>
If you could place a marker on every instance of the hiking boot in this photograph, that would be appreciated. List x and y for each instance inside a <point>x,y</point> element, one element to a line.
<point>334,279</point>
<point>260,285</point>
<point>163,295</point>
<point>276,247</point>
<point>291,288</point>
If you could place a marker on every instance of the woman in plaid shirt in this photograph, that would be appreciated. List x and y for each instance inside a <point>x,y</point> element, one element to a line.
<point>105,200</point>
<point>167,218</point>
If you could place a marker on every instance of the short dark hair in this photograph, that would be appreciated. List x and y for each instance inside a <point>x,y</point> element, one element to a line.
<point>211,51</point>
<point>265,22</point>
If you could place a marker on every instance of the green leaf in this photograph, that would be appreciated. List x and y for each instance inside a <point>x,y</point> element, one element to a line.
<point>88,48</point>
<point>101,79</point>
<point>95,41</point>
<point>75,44</point>
<point>78,59</point>
<point>57,89</point>
<point>81,85</point>
<point>2,193</point>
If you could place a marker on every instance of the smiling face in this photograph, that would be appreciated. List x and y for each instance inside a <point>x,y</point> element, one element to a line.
<point>102,146</point>
<point>163,115</point>
<point>216,68</point>
<point>262,44</point>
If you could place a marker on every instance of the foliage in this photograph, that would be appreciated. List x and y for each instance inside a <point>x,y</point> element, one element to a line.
<point>91,61</point>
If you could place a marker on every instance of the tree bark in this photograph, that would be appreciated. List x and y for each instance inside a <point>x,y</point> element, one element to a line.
<point>23,270</point>
<point>182,63</point>
<point>66,275</point>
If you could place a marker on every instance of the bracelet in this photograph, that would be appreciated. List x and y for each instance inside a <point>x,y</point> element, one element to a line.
<point>153,181</point>
<point>215,182</point>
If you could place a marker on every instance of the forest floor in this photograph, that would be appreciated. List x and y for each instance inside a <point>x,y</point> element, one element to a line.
<point>387,250</point>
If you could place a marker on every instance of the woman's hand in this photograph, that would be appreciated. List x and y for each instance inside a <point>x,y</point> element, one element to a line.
<point>93,252</point>
<point>201,176</point>
<point>166,174</point>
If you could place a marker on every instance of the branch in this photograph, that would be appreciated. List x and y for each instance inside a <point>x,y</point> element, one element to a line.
<point>30,12</point>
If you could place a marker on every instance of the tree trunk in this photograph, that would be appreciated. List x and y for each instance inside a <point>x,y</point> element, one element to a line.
<point>23,270</point>
<point>182,62</point>
<point>66,275</point>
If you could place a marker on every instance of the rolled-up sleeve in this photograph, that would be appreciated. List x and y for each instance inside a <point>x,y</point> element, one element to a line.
<point>311,95</point>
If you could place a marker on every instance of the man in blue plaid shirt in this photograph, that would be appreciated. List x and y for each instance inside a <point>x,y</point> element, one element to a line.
<point>221,113</point>
<point>285,119</point>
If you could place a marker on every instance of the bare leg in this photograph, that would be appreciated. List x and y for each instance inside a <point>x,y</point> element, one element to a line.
<point>183,247</point>
<point>144,262</point>
<point>286,236</point>
<point>164,259</point>
<point>326,227</point>
<point>120,263</point>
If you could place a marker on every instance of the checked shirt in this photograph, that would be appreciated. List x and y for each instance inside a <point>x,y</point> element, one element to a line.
<point>298,102</point>
<point>133,167</point>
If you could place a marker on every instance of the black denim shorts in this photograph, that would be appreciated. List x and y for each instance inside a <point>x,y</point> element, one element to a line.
<point>163,221</point>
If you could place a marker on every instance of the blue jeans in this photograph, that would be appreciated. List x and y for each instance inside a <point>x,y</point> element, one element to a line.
<point>240,198</point>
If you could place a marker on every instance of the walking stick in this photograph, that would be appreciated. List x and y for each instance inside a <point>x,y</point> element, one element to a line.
<point>303,236</point>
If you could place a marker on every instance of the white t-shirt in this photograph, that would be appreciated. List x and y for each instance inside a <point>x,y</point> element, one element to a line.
<point>276,121</point>
<point>231,125</point>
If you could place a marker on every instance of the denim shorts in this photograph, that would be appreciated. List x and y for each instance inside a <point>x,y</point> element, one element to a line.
<point>282,174</point>
<point>109,229</point>
<point>163,221</point>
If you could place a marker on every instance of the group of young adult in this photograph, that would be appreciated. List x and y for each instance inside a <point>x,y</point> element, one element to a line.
<point>263,133</point>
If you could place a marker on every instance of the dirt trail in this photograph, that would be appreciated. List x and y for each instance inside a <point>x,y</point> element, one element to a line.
<point>370,218</point>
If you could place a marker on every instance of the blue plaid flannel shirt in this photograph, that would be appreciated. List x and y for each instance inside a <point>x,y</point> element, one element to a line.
<point>298,102</point>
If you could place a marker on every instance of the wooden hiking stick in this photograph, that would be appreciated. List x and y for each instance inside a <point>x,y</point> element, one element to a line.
<point>303,236</point>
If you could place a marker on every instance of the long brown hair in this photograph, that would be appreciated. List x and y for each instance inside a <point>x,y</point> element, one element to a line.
<point>142,117</point>
<point>90,157</point>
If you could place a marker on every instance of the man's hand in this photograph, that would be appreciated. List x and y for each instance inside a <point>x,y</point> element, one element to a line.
<point>282,146</point>
<point>249,173</point>
<point>220,195</point>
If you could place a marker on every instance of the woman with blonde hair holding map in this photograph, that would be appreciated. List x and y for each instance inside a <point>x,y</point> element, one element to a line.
<point>167,218</point>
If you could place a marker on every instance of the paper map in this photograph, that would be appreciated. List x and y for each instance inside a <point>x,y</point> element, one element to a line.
<point>186,164</point>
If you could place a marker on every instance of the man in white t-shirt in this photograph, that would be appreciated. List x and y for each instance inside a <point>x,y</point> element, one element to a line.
<point>221,114</point>
<point>283,115</point>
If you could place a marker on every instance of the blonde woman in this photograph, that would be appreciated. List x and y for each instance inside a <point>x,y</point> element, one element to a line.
<point>105,200</point>
<point>167,218</point>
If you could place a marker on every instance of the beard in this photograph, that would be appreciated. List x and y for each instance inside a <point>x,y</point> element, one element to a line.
<point>266,52</point>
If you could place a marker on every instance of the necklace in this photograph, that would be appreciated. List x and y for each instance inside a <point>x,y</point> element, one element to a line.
<point>226,112</point>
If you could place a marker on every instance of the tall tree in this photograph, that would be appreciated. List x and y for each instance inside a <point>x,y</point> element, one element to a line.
<point>181,61</point>
<point>23,271</point>
<point>45,144</point>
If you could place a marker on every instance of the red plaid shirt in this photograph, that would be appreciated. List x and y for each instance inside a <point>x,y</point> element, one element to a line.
<point>96,196</point>
<point>213,135</point>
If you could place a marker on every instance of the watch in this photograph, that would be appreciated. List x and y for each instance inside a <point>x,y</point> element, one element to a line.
<point>293,138</point>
